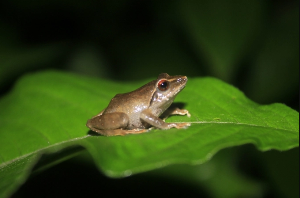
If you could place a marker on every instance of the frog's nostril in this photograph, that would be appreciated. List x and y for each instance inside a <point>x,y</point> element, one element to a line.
<point>182,79</point>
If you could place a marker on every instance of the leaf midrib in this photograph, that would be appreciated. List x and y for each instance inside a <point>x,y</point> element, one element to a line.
<point>239,123</point>
<point>79,138</point>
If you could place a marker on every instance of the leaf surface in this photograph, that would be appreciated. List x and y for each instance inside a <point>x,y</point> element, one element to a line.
<point>46,112</point>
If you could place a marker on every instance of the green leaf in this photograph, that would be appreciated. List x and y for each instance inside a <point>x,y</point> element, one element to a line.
<point>46,112</point>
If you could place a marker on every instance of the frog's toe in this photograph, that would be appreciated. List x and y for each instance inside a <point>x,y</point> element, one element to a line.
<point>136,131</point>
<point>182,125</point>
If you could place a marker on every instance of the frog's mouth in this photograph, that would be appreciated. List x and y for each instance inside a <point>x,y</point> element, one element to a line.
<point>183,80</point>
<point>180,89</point>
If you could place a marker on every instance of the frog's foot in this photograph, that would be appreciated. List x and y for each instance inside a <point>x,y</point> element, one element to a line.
<point>116,132</point>
<point>181,125</point>
<point>109,132</point>
<point>135,131</point>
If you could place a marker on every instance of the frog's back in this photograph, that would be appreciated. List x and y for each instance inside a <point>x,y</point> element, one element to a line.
<point>132,102</point>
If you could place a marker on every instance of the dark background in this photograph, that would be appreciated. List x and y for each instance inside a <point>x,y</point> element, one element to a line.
<point>253,45</point>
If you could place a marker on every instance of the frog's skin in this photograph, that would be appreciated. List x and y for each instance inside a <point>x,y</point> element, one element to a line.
<point>136,111</point>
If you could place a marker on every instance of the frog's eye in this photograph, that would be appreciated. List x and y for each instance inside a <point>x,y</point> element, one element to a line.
<point>163,85</point>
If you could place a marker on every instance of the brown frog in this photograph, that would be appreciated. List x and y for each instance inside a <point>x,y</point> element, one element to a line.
<point>136,111</point>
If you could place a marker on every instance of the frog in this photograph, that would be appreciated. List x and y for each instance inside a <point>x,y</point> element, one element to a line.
<point>139,111</point>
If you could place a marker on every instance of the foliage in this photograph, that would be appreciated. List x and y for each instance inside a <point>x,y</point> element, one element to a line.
<point>252,45</point>
<point>47,111</point>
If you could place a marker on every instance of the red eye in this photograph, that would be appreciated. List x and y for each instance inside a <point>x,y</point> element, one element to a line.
<point>163,85</point>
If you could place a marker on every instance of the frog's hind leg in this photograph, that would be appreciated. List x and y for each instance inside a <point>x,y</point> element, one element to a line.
<point>121,132</point>
<point>136,131</point>
<point>112,124</point>
<point>109,121</point>
<point>110,132</point>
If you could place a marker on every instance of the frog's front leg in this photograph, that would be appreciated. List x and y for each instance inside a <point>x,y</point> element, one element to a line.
<point>109,124</point>
<point>155,121</point>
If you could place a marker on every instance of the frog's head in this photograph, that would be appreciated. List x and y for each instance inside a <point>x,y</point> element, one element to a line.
<point>166,89</point>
